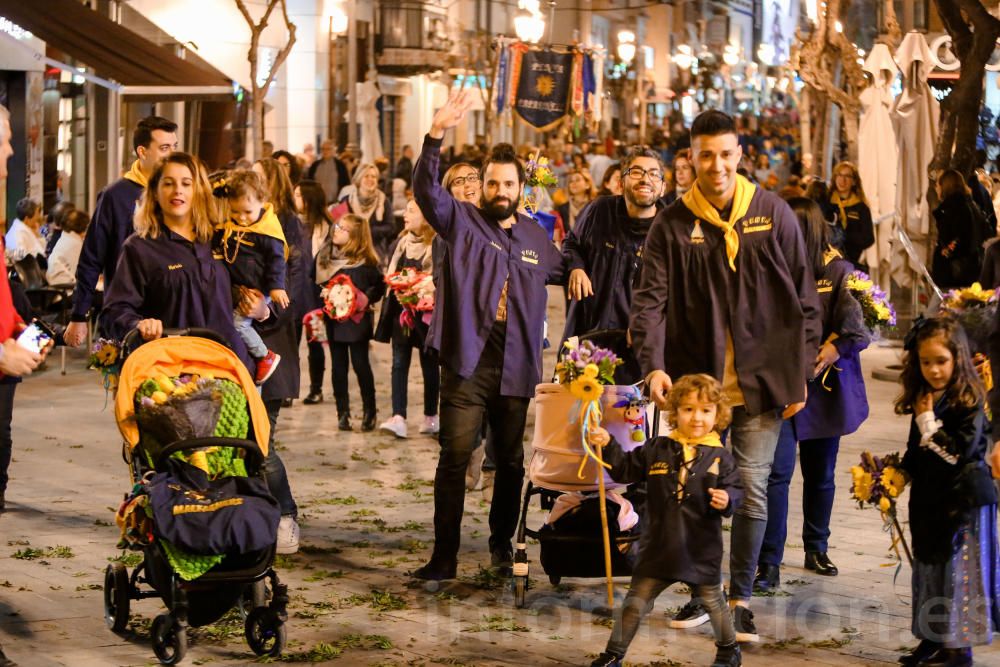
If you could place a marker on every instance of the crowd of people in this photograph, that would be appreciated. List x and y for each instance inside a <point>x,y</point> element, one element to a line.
<point>722,256</point>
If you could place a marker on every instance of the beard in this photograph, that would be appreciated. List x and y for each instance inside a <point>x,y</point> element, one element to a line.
<point>641,200</point>
<point>495,209</point>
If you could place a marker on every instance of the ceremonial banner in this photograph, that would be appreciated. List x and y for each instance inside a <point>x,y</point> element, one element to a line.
<point>543,88</point>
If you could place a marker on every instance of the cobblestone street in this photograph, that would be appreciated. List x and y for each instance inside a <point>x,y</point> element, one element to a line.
<point>366,510</point>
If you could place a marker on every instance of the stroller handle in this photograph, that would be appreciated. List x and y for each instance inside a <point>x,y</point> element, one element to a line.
<point>248,446</point>
<point>133,338</point>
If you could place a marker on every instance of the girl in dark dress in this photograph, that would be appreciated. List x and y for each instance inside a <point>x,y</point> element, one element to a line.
<point>953,502</point>
<point>413,251</point>
<point>691,483</point>
<point>349,252</point>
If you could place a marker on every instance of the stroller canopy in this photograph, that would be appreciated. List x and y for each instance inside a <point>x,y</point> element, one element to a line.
<point>174,356</point>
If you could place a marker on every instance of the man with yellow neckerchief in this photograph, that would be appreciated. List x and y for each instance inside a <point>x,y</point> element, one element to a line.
<point>153,139</point>
<point>726,289</point>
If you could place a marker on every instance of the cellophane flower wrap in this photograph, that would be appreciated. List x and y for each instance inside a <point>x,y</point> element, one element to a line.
<point>343,300</point>
<point>106,357</point>
<point>314,325</point>
<point>584,368</point>
<point>875,305</point>
<point>879,481</point>
<point>414,290</point>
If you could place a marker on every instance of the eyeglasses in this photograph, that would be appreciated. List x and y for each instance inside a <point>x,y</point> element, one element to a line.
<point>471,179</point>
<point>638,173</point>
<point>337,227</point>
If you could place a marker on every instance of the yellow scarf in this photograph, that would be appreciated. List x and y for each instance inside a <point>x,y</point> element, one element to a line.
<point>268,225</point>
<point>136,176</point>
<point>830,255</point>
<point>842,204</point>
<point>710,439</point>
<point>703,209</point>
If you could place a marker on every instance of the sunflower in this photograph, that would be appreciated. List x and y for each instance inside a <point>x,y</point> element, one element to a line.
<point>894,481</point>
<point>586,388</point>
<point>885,504</point>
<point>107,355</point>
<point>862,489</point>
<point>591,371</point>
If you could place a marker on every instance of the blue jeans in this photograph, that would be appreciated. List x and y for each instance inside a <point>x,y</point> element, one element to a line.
<point>818,461</point>
<point>253,341</point>
<point>402,353</point>
<point>274,469</point>
<point>753,441</point>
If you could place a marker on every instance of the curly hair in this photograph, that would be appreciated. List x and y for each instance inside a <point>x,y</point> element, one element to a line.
<point>708,389</point>
<point>243,182</point>
<point>965,389</point>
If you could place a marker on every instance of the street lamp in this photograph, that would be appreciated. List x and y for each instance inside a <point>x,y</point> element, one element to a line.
<point>684,57</point>
<point>529,24</point>
<point>626,45</point>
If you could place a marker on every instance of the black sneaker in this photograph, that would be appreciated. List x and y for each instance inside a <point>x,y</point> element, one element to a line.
<point>728,655</point>
<point>502,559</point>
<point>746,631</point>
<point>691,615</point>
<point>607,659</point>
<point>436,570</point>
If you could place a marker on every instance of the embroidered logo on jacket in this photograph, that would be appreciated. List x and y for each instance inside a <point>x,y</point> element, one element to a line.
<point>659,468</point>
<point>529,256</point>
<point>496,245</point>
<point>824,285</point>
<point>174,267</point>
<point>759,223</point>
<point>697,236</point>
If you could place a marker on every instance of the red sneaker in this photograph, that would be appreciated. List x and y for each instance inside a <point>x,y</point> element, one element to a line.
<point>266,366</point>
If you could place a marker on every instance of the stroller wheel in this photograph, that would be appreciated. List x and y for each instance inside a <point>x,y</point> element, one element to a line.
<point>520,587</point>
<point>254,595</point>
<point>265,632</point>
<point>169,639</point>
<point>116,597</point>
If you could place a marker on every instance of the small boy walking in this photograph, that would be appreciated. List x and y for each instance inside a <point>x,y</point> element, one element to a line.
<point>691,483</point>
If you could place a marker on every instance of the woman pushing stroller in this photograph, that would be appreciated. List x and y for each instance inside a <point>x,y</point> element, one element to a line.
<point>691,483</point>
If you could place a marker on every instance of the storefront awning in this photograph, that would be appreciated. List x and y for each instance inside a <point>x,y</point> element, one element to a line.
<point>142,68</point>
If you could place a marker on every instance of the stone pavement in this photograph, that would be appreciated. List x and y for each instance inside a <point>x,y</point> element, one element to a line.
<point>366,510</point>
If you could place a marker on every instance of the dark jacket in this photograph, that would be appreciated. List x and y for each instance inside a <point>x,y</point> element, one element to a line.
<point>607,244</point>
<point>942,495</point>
<point>384,231</point>
<point>989,277</point>
<point>958,254</point>
<point>481,258</point>
<point>389,330</point>
<point>837,403</point>
<point>859,232</point>
<point>681,540</point>
<point>110,225</point>
<point>279,331</point>
<point>369,280</point>
<point>688,297</point>
<point>258,260</point>
<point>404,170</point>
<point>175,281</point>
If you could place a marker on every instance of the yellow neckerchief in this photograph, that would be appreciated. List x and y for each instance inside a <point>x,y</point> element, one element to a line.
<point>267,225</point>
<point>703,209</point>
<point>135,175</point>
<point>690,447</point>
<point>830,255</point>
<point>842,204</point>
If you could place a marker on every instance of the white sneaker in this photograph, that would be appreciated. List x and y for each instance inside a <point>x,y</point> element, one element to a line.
<point>431,426</point>
<point>395,425</point>
<point>288,535</point>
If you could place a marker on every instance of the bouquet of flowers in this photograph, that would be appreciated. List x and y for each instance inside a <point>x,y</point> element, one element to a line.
<point>538,176</point>
<point>584,368</point>
<point>415,292</point>
<point>879,481</point>
<point>105,356</point>
<point>875,305</point>
<point>314,325</point>
<point>975,309</point>
<point>343,300</point>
